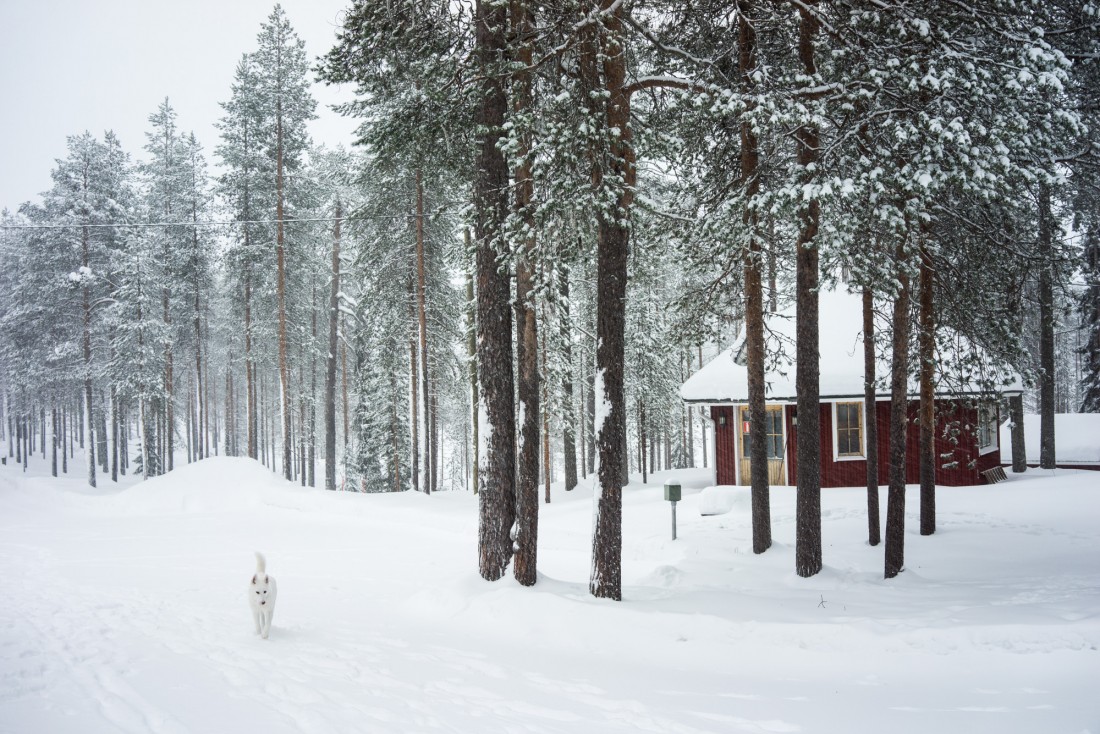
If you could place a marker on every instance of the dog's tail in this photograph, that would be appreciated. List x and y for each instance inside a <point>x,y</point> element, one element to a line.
<point>261,563</point>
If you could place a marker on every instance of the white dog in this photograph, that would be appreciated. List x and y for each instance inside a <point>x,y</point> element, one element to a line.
<point>261,597</point>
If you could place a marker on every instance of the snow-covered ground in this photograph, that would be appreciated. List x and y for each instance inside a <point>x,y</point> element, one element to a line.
<point>123,610</point>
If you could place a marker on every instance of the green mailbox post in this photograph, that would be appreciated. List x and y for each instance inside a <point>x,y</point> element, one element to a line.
<point>672,494</point>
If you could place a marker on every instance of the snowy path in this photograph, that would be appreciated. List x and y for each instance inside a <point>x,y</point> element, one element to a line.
<point>125,612</point>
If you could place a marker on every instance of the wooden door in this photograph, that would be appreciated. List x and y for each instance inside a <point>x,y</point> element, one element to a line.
<point>773,435</point>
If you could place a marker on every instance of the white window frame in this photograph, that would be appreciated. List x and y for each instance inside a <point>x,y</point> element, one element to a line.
<point>989,413</point>
<point>862,431</point>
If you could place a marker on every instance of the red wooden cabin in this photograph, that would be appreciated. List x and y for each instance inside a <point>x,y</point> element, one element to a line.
<point>967,435</point>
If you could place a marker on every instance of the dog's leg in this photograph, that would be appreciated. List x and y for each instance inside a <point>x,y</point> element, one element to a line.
<point>256,619</point>
<point>266,617</point>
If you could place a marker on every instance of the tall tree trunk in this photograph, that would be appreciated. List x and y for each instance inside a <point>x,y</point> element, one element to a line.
<point>115,435</point>
<point>807,381</point>
<point>583,412</point>
<point>899,406</point>
<point>1046,330</point>
<point>53,442</point>
<point>703,420</point>
<point>569,441</point>
<point>422,320</point>
<point>527,491</point>
<point>249,365</point>
<point>200,444</point>
<point>280,264</point>
<point>927,346</point>
<point>615,175</point>
<point>414,402</point>
<point>471,362</point>
<point>311,439</point>
<point>496,497</point>
<point>1016,419</point>
<point>87,348</point>
<point>330,359</point>
<point>754,293</point>
<point>870,415</point>
<point>1090,318</point>
<point>547,465</point>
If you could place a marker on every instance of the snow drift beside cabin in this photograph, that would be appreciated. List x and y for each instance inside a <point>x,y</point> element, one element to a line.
<point>722,380</point>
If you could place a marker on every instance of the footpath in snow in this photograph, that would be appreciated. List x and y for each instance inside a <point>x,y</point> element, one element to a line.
<point>124,611</point>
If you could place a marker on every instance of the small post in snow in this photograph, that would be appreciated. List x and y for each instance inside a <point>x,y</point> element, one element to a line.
<point>672,494</point>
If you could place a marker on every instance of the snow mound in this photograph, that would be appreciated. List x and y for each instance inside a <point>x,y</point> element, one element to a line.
<point>720,500</point>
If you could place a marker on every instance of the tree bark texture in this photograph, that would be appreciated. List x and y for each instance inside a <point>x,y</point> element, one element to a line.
<point>422,322</point>
<point>330,357</point>
<point>612,175</point>
<point>899,402</point>
<point>1016,418</point>
<point>471,362</point>
<point>1046,330</point>
<point>927,346</point>
<point>569,441</point>
<point>870,420</point>
<point>496,496</point>
<point>525,535</point>
<point>754,294</point>
<point>807,380</point>
<point>280,263</point>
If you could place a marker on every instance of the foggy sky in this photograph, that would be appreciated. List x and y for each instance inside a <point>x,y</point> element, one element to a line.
<point>67,66</point>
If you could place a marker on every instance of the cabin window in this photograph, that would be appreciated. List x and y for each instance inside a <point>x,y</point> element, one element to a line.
<point>773,423</point>
<point>849,430</point>
<point>988,428</point>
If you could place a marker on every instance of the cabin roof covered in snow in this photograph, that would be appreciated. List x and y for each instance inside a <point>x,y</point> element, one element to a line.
<point>723,380</point>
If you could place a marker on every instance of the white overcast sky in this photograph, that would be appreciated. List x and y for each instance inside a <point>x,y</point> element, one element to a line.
<point>72,65</point>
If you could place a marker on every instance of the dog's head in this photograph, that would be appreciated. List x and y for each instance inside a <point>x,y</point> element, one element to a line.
<point>260,587</point>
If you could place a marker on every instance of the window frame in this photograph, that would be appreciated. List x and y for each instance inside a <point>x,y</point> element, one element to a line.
<point>989,417</point>
<point>837,456</point>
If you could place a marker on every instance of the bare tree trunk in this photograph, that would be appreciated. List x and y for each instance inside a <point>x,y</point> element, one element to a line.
<point>87,346</point>
<point>703,419</point>
<point>53,442</point>
<point>927,347</point>
<point>114,434</point>
<point>1046,331</point>
<point>569,440</point>
<point>754,294</point>
<point>330,358</point>
<point>1019,448</point>
<point>471,361</point>
<point>603,47</point>
<point>527,492</point>
<point>808,559</point>
<point>249,367</point>
<point>280,262</point>
<point>686,411</point>
<point>422,320</point>
<point>547,466</point>
<point>414,403</point>
<point>311,437</point>
<point>870,412</point>
<point>497,498</point>
<point>899,403</point>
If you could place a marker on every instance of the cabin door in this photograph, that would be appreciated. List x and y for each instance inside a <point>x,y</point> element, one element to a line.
<point>772,434</point>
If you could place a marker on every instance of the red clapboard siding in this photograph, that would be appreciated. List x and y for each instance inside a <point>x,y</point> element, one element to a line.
<point>956,445</point>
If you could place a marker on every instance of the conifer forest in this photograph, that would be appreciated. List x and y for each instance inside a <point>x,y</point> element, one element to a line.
<point>554,213</point>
